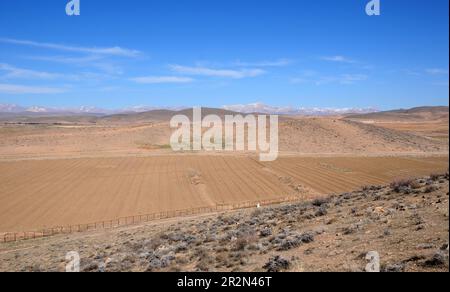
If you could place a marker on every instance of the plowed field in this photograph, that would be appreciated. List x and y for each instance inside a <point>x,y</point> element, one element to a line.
<point>46,193</point>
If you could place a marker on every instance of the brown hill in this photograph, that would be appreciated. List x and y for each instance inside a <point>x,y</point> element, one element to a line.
<point>414,114</point>
<point>160,115</point>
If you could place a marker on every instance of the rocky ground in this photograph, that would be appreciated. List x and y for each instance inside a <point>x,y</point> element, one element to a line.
<point>406,223</point>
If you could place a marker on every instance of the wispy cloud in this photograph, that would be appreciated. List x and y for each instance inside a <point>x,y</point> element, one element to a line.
<point>411,72</point>
<point>12,72</point>
<point>343,79</point>
<point>161,79</point>
<point>97,62</point>
<point>227,73</point>
<point>112,51</point>
<point>275,63</point>
<point>337,59</point>
<point>66,59</point>
<point>351,78</point>
<point>24,89</point>
<point>437,71</point>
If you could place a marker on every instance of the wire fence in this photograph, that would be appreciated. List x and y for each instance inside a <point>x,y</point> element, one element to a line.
<point>137,219</point>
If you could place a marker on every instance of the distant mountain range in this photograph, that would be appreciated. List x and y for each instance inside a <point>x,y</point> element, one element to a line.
<point>16,109</point>
<point>315,111</point>
<point>247,108</point>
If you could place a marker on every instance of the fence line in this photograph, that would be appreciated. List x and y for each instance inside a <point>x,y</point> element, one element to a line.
<point>137,219</point>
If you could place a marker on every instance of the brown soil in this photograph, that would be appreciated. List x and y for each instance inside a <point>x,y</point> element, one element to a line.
<point>407,226</point>
<point>49,193</point>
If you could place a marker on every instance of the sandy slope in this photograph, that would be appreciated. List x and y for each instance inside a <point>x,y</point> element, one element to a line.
<point>299,135</point>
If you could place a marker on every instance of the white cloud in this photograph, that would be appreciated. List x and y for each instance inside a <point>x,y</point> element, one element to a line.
<point>344,79</point>
<point>23,89</point>
<point>437,71</point>
<point>161,79</point>
<point>411,72</point>
<point>227,73</point>
<point>351,78</point>
<point>299,80</point>
<point>94,61</point>
<point>112,51</point>
<point>66,59</point>
<point>15,72</point>
<point>276,63</point>
<point>338,59</point>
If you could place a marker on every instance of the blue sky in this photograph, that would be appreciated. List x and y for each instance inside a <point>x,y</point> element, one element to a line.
<point>302,53</point>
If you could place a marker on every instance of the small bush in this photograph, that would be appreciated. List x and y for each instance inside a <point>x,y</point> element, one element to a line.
<point>430,189</point>
<point>320,201</point>
<point>242,242</point>
<point>322,211</point>
<point>435,176</point>
<point>401,185</point>
<point>277,264</point>
<point>415,185</point>
<point>266,232</point>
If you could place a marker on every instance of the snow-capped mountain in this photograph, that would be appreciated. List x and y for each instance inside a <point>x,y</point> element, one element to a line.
<point>242,108</point>
<point>11,108</point>
<point>266,109</point>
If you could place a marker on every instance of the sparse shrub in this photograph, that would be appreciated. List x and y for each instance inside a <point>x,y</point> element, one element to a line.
<point>277,264</point>
<point>320,201</point>
<point>350,229</point>
<point>402,185</point>
<point>394,268</point>
<point>307,237</point>
<point>257,212</point>
<point>202,266</point>
<point>366,188</point>
<point>153,243</point>
<point>440,258</point>
<point>296,241</point>
<point>221,260</point>
<point>430,189</point>
<point>435,176</point>
<point>266,232</point>
<point>91,267</point>
<point>415,185</point>
<point>322,211</point>
<point>347,196</point>
<point>242,242</point>
<point>181,247</point>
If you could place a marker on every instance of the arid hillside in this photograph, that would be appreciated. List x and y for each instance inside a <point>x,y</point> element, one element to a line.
<point>405,223</point>
<point>429,122</point>
<point>419,114</point>
<point>149,132</point>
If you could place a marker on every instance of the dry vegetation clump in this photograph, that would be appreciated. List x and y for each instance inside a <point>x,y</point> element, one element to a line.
<point>277,264</point>
<point>402,185</point>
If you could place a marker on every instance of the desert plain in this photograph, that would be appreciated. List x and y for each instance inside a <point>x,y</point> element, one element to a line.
<point>69,170</point>
<point>341,187</point>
